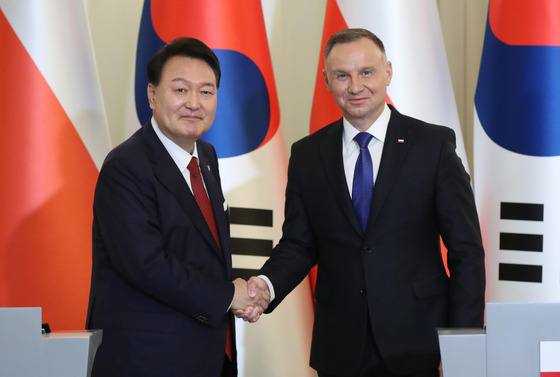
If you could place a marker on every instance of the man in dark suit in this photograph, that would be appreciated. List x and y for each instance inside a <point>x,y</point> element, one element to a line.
<point>371,216</point>
<point>161,286</point>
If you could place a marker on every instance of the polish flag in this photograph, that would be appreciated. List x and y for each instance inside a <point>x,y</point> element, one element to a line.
<point>517,150</point>
<point>54,140</point>
<point>253,161</point>
<point>550,359</point>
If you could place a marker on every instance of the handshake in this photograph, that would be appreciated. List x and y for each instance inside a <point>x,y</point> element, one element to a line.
<point>251,298</point>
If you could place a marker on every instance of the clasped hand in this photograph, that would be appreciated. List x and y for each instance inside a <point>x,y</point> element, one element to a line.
<point>251,298</point>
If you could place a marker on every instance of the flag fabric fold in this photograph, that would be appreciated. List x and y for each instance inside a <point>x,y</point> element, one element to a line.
<point>55,138</point>
<point>517,150</point>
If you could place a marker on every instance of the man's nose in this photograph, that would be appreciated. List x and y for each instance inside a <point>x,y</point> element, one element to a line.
<point>356,85</point>
<point>192,101</point>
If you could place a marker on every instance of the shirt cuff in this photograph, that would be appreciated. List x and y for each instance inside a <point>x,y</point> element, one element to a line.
<point>270,287</point>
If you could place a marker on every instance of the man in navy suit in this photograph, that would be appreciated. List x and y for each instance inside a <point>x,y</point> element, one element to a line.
<point>161,286</point>
<point>382,288</point>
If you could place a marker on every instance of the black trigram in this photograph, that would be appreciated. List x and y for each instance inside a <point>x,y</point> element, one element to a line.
<point>250,246</point>
<point>521,242</point>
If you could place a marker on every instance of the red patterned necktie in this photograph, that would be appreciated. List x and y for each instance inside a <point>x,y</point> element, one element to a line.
<point>201,198</point>
<point>205,206</point>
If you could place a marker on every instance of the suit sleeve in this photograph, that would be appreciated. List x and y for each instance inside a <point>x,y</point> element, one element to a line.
<point>129,218</point>
<point>295,255</point>
<point>460,230</point>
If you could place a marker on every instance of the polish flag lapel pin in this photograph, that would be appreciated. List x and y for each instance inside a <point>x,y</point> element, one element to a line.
<point>400,141</point>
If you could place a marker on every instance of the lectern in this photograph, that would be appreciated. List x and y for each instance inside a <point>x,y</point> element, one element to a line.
<point>520,340</point>
<point>25,351</point>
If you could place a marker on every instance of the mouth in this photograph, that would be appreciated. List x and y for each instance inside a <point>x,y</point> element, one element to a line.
<point>190,117</point>
<point>357,101</point>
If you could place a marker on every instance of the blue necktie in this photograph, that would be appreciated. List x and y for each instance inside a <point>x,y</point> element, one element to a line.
<point>362,187</point>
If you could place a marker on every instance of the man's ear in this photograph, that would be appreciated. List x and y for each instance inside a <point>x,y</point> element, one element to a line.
<point>326,79</point>
<point>389,70</point>
<point>151,91</point>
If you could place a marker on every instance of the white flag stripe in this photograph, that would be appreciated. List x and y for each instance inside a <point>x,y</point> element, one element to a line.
<point>421,86</point>
<point>550,356</point>
<point>59,42</point>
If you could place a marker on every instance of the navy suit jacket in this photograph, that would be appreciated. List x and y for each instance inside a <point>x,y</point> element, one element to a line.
<point>392,275</point>
<point>160,286</point>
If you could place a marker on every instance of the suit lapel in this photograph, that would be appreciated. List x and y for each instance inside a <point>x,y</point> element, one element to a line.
<point>331,155</point>
<point>397,142</point>
<point>210,173</point>
<point>169,175</point>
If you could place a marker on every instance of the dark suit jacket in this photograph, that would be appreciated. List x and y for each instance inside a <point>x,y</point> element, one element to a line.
<point>160,286</point>
<point>393,274</point>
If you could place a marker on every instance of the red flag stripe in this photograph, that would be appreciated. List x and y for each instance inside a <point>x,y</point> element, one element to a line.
<point>325,110</point>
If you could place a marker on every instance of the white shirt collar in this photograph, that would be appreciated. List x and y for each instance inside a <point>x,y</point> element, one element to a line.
<point>378,129</point>
<point>178,154</point>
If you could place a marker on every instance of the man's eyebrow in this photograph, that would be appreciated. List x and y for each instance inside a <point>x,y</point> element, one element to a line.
<point>182,79</point>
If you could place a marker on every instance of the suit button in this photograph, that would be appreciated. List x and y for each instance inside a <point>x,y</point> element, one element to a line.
<point>202,319</point>
<point>363,291</point>
<point>367,250</point>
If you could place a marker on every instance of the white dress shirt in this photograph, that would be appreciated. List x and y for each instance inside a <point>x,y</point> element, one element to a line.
<point>351,150</point>
<point>181,157</point>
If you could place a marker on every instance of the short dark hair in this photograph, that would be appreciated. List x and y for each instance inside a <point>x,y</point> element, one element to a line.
<point>351,35</point>
<point>182,46</point>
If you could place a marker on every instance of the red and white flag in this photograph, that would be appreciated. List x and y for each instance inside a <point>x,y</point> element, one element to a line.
<point>550,358</point>
<point>54,140</point>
